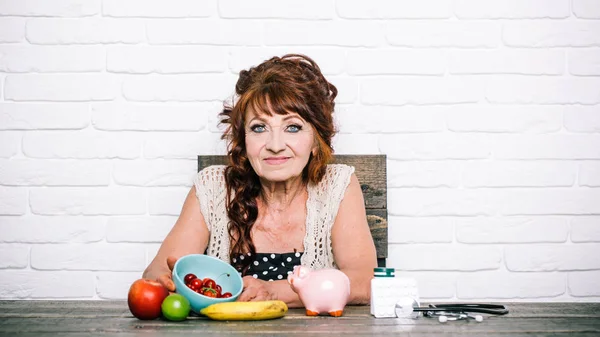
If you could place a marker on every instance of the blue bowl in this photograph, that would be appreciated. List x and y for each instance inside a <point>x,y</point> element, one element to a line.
<point>204,266</point>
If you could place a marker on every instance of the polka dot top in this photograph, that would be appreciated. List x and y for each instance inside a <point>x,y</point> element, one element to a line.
<point>271,266</point>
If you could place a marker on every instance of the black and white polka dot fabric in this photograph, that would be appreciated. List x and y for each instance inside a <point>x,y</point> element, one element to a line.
<point>271,266</point>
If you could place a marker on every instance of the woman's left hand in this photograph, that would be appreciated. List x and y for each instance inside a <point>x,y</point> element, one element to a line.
<point>256,290</point>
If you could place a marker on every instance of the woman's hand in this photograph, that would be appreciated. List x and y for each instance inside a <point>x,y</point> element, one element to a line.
<point>256,290</point>
<point>165,278</point>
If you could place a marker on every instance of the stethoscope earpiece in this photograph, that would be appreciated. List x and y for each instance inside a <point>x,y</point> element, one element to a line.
<point>446,316</point>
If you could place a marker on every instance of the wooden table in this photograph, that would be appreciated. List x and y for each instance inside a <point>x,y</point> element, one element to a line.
<point>102,318</point>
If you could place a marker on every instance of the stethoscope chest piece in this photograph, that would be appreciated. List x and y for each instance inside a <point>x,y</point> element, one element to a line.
<point>405,308</point>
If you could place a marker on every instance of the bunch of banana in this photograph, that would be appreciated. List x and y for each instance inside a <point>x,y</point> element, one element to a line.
<point>245,311</point>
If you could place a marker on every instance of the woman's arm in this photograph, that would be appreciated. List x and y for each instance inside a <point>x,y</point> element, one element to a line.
<point>189,235</point>
<point>353,247</point>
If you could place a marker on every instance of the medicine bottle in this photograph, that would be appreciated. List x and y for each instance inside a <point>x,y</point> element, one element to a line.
<point>387,290</point>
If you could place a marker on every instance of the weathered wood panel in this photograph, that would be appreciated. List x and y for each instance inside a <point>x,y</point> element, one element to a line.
<point>300,326</point>
<point>118,308</point>
<point>377,219</point>
<point>104,318</point>
<point>372,174</point>
<point>369,169</point>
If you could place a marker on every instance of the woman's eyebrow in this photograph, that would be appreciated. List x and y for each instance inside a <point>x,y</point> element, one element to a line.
<point>286,118</point>
<point>257,118</point>
<point>292,116</point>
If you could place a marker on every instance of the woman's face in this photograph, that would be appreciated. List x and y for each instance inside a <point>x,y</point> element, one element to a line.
<point>278,146</point>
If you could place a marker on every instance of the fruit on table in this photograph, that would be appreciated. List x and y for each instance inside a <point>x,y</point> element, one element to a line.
<point>145,298</point>
<point>175,307</point>
<point>245,311</point>
<point>207,287</point>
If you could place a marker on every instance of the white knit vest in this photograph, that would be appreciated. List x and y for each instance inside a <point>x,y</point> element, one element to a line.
<point>322,206</point>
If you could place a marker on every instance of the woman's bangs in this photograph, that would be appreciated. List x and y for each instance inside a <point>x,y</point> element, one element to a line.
<point>275,99</point>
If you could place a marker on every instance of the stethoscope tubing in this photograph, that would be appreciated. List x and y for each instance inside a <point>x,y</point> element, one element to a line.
<point>482,308</point>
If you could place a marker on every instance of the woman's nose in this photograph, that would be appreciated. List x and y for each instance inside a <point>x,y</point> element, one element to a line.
<point>275,142</point>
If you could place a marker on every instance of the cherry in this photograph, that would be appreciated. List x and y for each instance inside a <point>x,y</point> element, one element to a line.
<point>195,284</point>
<point>188,278</point>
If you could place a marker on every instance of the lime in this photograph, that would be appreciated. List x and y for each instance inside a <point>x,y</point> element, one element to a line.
<point>175,307</point>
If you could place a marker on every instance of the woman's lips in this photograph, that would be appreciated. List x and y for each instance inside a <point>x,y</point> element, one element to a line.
<point>276,160</point>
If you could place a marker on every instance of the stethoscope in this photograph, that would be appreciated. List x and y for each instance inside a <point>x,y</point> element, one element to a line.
<point>408,307</point>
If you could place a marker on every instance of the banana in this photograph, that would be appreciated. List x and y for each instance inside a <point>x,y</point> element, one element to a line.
<point>245,311</point>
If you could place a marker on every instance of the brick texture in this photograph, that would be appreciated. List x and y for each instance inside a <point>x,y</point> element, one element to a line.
<point>488,112</point>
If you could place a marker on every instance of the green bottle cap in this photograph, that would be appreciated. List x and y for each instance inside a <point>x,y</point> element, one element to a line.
<point>384,272</point>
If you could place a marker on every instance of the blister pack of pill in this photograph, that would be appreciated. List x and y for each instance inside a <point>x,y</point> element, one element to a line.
<point>387,291</point>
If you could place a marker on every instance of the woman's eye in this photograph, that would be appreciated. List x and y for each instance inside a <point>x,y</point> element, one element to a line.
<point>258,128</point>
<point>294,128</point>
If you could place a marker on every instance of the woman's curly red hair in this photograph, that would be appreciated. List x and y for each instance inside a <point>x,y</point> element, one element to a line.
<point>291,83</point>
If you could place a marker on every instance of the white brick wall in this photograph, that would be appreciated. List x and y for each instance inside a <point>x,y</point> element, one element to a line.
<point>551,33</point>
<point>57,59</point>
<point>586,9</point>
<point>38,116</point>
<point>12,29</point>
<point>381,9</point>
<point>59,8</point>
<point>158,9</point>
<point>512,9</point>
<point>444,33</point>
<point>60,87</point>
<point>488,112</point>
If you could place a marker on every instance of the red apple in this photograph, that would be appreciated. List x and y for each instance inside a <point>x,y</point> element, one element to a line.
<point>145,298</point>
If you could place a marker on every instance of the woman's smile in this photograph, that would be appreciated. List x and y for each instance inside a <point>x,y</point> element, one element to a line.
<point>276,160</point>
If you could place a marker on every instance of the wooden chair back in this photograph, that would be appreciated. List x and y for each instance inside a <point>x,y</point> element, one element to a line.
<point>371,173</point>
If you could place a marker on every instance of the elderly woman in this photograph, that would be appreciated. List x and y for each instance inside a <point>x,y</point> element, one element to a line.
<point>278,203</point>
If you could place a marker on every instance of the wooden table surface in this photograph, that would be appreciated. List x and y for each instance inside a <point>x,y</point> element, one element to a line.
<point>102,318</point>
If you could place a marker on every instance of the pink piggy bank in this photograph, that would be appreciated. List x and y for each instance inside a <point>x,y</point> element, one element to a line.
<point>324,290</point>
